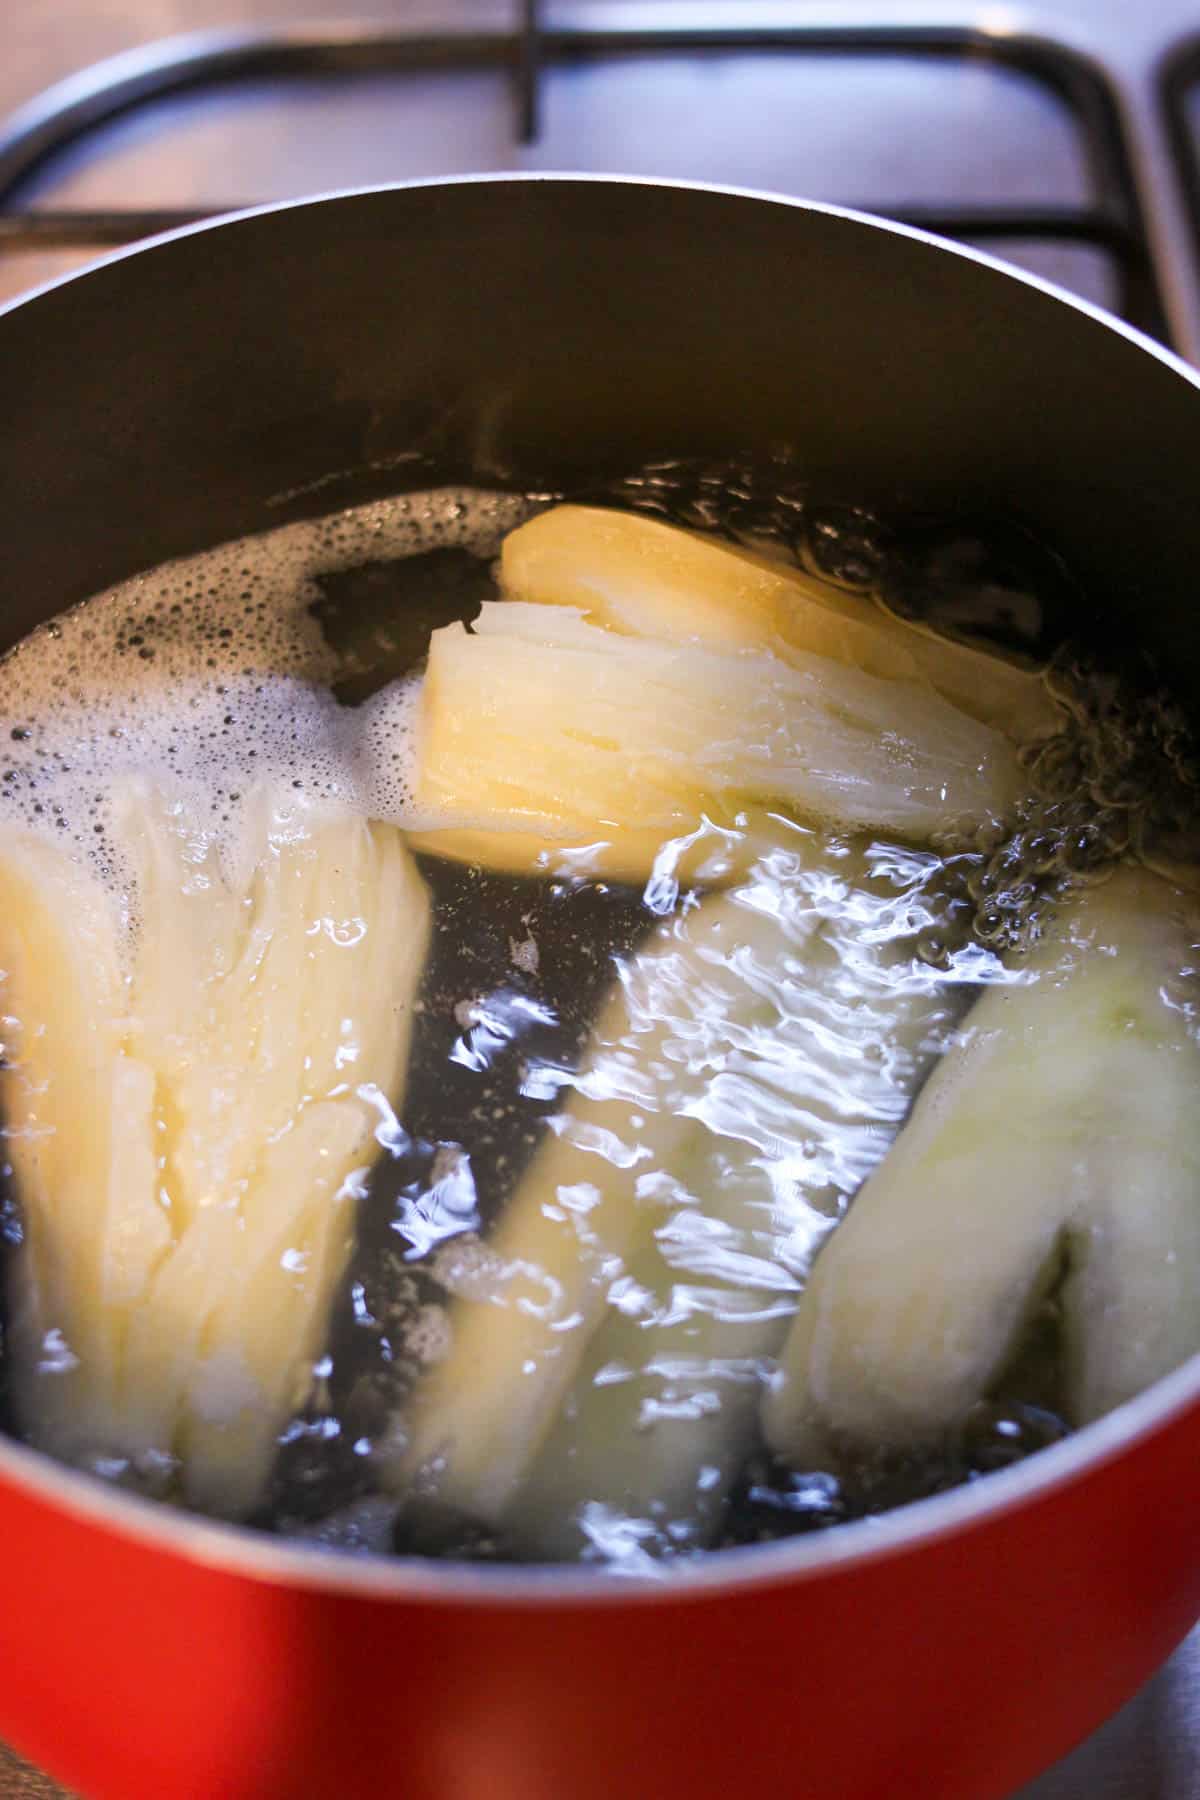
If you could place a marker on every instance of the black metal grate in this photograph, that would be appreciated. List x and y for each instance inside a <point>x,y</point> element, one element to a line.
<point>1112,223</point>
<point>1180,83</point>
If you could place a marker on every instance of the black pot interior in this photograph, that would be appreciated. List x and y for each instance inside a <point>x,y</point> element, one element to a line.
<point>539,332</point>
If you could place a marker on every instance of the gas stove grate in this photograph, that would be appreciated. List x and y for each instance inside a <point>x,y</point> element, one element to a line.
<point>1180,84</point>
<point>1112,224</point>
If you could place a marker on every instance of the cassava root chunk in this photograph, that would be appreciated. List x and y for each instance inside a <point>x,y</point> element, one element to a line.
<point>189,1121</point>
<point>747,1071</point>
<point>1058,1134</point>
<point>539,731</point>
<point>635,574</point>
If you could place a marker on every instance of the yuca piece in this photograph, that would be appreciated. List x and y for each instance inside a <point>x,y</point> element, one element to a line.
<point>538,730</point>
<point>190,1126</point>
<point>636,574</point>
<point>482,1413</point>
<point>746,1073</point>
<point>1059,1130</point>
<point>662,1410</point>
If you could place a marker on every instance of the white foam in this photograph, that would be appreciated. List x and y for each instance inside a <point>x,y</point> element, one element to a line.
<point>210,676</point>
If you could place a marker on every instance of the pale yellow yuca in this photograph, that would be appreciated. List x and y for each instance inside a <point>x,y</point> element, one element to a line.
<point>636,574</point>
<point>746,1072</point>
<point>534,1298</point>
<point>189,1132</point>
<point>79,1119</point>
<point>538,730</point>
<point>797,1085</point>
<point>1057,1140</point>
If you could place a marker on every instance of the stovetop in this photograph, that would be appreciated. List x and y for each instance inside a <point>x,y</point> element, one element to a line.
<point>1051,134</point>
<point>1064,135</point>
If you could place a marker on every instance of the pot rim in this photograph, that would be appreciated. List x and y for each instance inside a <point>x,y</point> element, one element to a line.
<point>239,1551</point>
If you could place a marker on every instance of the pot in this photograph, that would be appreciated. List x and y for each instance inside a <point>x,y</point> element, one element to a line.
<point>227,379</point>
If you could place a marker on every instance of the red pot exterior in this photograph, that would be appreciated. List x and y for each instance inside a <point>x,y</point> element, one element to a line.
<point>964,1662</point>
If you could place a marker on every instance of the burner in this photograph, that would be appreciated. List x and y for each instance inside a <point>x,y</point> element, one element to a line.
<point>615,97</point>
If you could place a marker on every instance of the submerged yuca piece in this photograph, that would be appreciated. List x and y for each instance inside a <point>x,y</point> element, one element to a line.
<point>636,574</point>
<point>1059,1133</point>
<point>747,1072</point>
<point>531,1302</point>
<point>662,1409</point>
<point>538,724</point>
<point>190,1124</point>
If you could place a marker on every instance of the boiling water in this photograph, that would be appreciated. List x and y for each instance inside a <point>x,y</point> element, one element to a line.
<point>285,657</point>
